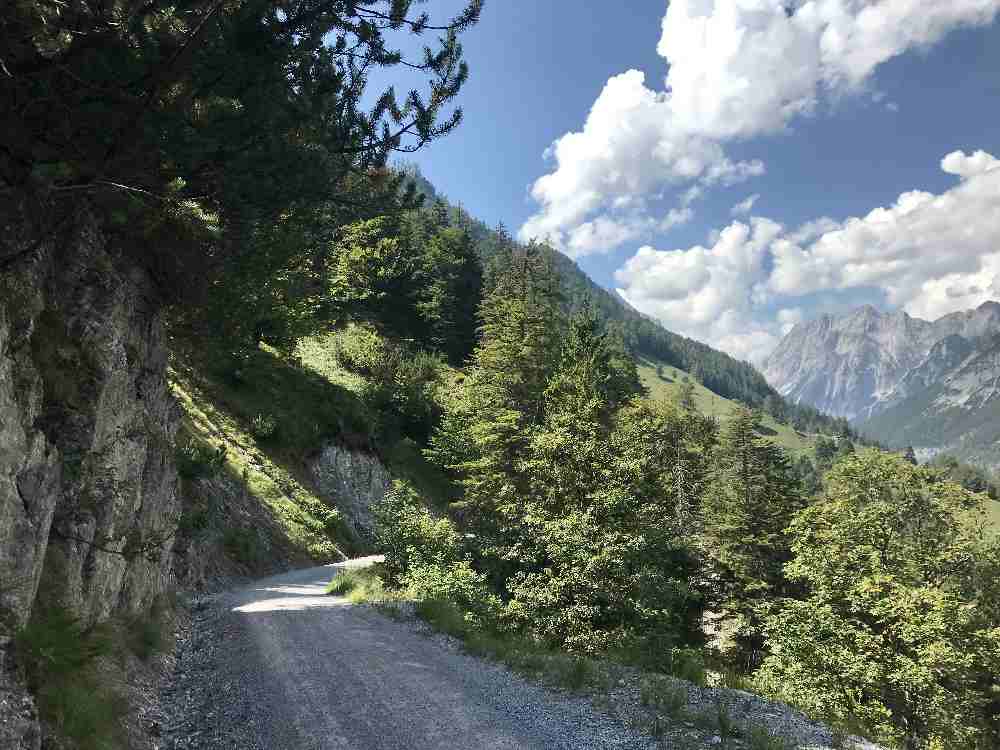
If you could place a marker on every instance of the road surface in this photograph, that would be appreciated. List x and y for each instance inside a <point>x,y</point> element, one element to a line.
<point>280,665</point>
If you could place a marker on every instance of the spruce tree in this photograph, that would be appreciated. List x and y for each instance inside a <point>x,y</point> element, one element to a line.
<point>749,502</point>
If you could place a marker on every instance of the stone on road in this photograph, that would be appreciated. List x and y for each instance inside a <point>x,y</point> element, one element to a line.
<point>280,665</point>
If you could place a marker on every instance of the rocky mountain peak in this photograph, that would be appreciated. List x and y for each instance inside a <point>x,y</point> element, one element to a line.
<point>858,364</point>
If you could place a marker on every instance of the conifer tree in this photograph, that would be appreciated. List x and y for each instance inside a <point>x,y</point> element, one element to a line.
<point>750,500</point>
<point>487,423</point>
<point>597,560</point>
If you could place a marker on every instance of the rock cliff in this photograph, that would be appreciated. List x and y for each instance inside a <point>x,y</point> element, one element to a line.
<point>902,380</point>
<point>352,480</point>
<point>88,488</point>
<point>861,363</point>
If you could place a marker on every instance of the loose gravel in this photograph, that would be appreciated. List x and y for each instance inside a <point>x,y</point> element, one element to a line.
<point>280,665</point>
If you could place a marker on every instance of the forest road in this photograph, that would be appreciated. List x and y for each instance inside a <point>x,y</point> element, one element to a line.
<point>280,665</point>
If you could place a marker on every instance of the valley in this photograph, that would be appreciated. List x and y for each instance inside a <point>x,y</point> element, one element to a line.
<point>301,448</point>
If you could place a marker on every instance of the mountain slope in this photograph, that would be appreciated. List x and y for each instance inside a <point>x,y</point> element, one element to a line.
<point>959,413</point>
<point>722,374</point>
<point>932,384</point>
<point>664,382</point>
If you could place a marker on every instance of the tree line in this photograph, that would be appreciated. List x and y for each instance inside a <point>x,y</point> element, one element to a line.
<point>594,520</point>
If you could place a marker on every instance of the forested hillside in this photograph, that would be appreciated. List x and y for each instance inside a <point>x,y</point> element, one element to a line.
<point>227,323</point>
<point>642,336</point>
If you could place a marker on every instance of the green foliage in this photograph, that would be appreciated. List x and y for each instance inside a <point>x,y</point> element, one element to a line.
<point>222,141</point>
<point>359,585</point>
<point>148,633</point>
<point>970,477</point>
<point>59,657</point>
<point>243,546</point>
<point>758,737</point>
<point>410,537</point>
<point>898,629</point>
<point>751,499</point>
<point>567,482</point>
<point>263,426</point>
<point>196,460</point>
<point>400,385</point>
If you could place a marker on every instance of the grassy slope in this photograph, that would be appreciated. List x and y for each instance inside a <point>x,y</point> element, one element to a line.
<point>712,404</point>
<point>403,456</point>
<point>219,412</point>
<point>313,401</point>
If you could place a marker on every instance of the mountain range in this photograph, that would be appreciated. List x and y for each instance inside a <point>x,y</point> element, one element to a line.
<point>901,380</point>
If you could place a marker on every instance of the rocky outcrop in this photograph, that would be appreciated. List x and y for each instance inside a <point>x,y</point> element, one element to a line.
<point>88,488</point>
<point>904,381</point>
<point>354,481</point>
<point>865,362</point>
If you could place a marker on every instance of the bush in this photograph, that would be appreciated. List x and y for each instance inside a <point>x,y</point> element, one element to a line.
<point>59,657</point>
<point>196,460</point>
<point>410,537</point>
<point>400,383</point>
<point>455,582</point>
<point>263,426</point>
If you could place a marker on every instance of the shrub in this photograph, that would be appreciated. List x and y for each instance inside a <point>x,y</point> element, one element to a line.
<point>263,426</point>
<point>195,459</point>
<point>410,537</point>
<point>59,655</point>
<point>455,582</point>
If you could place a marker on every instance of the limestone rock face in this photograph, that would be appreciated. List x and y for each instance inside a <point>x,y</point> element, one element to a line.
<point>352,480</point>
<point>88,487</point>
<point>862,363</point>
<point>19,729</point>
<point>932,385</point>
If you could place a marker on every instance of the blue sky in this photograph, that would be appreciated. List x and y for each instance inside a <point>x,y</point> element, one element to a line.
<point>826,113</point>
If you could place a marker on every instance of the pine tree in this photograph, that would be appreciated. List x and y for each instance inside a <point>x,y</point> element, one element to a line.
<point>751,499</point>
<point>488,422</point>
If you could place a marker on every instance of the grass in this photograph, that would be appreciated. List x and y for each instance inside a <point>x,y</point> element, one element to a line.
<point>60,659</point>
<point>667,385</point>
<point>361,586</point>
<point>558,669</point>
<point>149,633</point>
<point>260,422</point>
<point>219,417</point>
<point>73,677</point>
<point>759,738</point>
<point>568,671</point>
<point>664,694</point>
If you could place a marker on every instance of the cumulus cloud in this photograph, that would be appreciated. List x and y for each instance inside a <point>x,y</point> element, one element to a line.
<point>744,207</point>
<point>737,69</point>
<point>928,254</point>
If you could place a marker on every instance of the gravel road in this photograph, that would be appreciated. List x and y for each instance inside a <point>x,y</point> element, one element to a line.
<point>279,665</point>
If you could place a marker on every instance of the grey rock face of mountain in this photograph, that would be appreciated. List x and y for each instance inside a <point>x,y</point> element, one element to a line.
<point>902,379</point>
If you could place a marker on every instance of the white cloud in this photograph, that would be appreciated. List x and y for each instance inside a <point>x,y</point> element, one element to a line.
<point>710,293</point>
<point>744,207</point>
<point>964,165</point>
<point>737,69</point>
<point>928,254</point>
